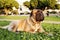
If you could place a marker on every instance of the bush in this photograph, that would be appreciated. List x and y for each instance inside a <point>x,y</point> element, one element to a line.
<point>15,12</point>
<point>53,12</point>
<point>2,12</point>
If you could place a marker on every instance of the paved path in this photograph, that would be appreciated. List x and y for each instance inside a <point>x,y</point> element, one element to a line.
<point>7,20</point>
<point>54,22</point>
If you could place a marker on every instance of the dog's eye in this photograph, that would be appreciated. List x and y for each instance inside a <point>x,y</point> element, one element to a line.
<point>38,11</point>
<point>41,12</point>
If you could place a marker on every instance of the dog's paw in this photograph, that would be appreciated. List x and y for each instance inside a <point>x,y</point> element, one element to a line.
<point>17,32</point>
<point>50,34</point>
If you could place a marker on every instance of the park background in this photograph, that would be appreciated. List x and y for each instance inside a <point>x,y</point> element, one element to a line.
<point>12,10</point>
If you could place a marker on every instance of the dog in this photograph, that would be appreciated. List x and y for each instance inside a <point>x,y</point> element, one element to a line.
<point>32,24</point>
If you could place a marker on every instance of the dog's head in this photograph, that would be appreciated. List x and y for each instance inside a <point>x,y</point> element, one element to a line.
<point>37,14</point>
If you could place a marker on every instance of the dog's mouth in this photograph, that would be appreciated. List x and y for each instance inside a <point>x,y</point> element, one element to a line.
<point>39,17</point>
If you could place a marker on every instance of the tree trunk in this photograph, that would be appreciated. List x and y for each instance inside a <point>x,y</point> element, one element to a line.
<point>6,11</point>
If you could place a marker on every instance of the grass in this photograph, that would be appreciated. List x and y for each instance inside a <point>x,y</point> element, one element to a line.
<point>53,28</point>
<point>4,23</point>
<point>13,17</point>
<point>50,18</point>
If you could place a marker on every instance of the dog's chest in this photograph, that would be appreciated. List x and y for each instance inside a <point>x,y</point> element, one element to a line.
<point>36,27</point>
<point>32,25</point>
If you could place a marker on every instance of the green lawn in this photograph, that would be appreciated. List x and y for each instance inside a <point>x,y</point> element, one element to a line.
<point>4,23</point>
<point>51,18</point>
<point>13,17</point>
<point>53,28</point>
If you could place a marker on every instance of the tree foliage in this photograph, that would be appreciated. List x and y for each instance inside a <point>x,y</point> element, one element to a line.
<point>8,4</point>
<point>52,3</point>
<point>41,4</point>
<point>57,6</point>
<point>27,4</point>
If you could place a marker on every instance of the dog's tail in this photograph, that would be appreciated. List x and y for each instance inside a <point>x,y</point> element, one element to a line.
<point>6,27</point>
<point>3,27</point>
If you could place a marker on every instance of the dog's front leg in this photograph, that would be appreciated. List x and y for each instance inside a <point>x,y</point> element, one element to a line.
<point>41,30</point>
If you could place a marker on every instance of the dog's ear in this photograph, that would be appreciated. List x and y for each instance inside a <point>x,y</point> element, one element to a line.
<point>31,13</point>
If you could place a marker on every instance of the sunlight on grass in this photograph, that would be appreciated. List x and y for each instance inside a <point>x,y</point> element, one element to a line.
<point>50,18</point>
<point>13,17</point>
<point>8,35</point>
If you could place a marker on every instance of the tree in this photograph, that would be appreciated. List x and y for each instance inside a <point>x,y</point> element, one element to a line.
<point>57,6</point>
<point>8,4</point>
<point>27,4</point>
<point>41,4</point>
<point>52,3</point>
<point>32,4</point>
